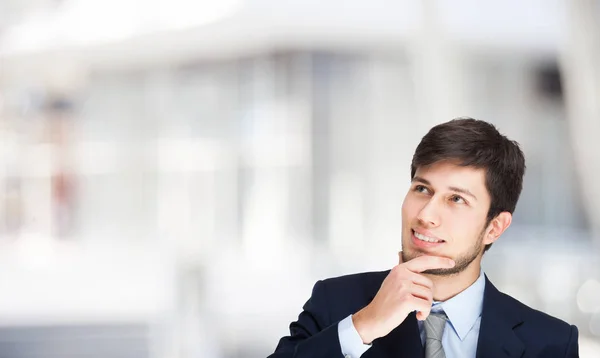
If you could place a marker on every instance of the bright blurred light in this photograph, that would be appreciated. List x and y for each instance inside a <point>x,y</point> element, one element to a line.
<point>595,324</point>
<point>588,296</point>
<point>89,22</point>
<point>588,348</point>
<point>35,251</point>
<point>554,284</point>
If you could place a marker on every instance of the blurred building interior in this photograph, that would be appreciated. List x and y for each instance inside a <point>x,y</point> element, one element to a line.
<point>173,172</point>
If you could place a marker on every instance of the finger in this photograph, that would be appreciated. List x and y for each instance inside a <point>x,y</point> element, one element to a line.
<point>419,279</point>
<point>423,307</point>
<point>421,316</point>
<point>426,262</point>
<point>422,292</point>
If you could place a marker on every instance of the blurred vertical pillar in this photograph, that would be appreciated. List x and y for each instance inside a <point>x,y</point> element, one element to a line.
<point>300,126</point>
<point>439,77</point>
<point>347,137</point>
<point>264,186</point>
<point>389,148</point>
<point>580,58</point>
<point>274,149</point>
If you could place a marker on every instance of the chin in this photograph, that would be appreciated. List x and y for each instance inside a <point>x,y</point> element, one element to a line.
<point>413,252</point>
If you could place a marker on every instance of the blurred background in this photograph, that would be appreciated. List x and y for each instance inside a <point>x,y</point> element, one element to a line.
<point>176,175</point>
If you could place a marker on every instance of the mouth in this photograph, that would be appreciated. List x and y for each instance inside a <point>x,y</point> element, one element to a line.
<point>424,241</point>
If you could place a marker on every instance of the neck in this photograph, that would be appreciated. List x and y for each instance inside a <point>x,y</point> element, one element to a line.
<point>446,287</point>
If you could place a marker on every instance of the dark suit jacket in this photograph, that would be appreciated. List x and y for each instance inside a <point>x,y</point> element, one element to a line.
<point>508,327</point>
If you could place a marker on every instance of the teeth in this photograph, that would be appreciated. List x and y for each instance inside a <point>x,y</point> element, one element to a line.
<point>425,238</point>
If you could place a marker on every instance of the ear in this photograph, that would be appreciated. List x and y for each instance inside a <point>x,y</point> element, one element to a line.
<point>497,226</point>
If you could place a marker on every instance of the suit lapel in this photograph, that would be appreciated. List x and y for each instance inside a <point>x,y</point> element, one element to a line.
<point>499,317</point>
<point>403,341</point>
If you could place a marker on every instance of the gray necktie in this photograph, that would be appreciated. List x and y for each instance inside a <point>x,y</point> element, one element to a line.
<point>434,330</point>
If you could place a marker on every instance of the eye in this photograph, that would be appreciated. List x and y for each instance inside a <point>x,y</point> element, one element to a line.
<point>457,199</point>
<point>421,189</point>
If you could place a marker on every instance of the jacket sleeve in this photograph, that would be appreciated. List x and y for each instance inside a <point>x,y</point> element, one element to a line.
<point>573,346</point>
<point>313,335</point>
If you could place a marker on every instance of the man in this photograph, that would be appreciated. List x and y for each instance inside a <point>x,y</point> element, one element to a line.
<point>436,303</point>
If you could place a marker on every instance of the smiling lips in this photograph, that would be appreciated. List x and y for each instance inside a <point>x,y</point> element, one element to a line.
<point>425,241</point>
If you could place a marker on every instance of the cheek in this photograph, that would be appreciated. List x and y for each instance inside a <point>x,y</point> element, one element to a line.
<point>404,208</point>
<point>465,228</point>
<point>410,208</point>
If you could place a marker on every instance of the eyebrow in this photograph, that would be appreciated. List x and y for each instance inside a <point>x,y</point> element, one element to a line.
<point>453,188</point>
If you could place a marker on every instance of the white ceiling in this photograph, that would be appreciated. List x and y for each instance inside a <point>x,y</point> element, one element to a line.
<point>111,32</point>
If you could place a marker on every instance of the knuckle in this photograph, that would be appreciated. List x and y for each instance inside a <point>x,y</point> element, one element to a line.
<point>398,268</point>
<point>407,296</point>
<point>403,287</point>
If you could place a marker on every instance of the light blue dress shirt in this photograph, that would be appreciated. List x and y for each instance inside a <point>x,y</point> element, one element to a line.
<point>460,334</point>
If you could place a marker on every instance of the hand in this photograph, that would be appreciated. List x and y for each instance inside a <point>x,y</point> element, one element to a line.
<point>403,291</point>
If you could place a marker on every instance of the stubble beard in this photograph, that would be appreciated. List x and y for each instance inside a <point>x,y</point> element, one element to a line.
<point>461,263</point>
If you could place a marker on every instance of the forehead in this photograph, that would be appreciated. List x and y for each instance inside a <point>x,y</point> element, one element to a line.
<point>445,174</point>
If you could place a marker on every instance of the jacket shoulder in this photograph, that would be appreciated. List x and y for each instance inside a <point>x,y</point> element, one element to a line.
<point>536,322</point>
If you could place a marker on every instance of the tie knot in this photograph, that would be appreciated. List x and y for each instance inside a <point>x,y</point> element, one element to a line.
<point>434,325</point>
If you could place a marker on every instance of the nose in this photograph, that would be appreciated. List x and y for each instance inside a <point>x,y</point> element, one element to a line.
<point>429,215</point>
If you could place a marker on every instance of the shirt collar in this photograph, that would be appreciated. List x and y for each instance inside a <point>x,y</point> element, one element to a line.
<point>464,309</point>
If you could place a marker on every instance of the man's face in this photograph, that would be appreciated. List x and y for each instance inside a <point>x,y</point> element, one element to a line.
<point>444,214</point>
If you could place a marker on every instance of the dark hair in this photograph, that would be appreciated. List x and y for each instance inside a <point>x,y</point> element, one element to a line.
<point>478,144</point>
